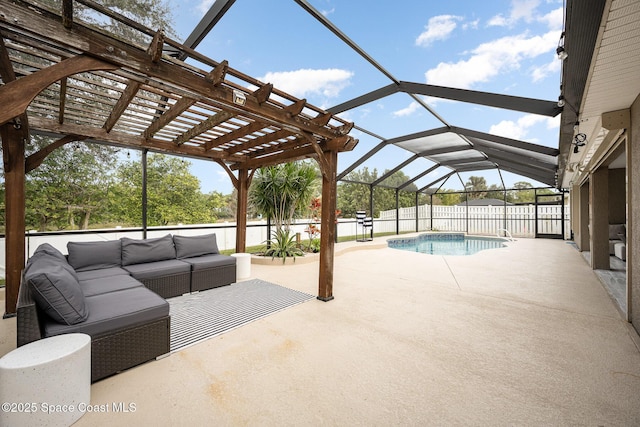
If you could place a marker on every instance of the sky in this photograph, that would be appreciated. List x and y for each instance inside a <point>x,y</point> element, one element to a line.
<point>499,46</point>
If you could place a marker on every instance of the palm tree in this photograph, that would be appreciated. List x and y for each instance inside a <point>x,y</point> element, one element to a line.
<point>475,187</point>
<point>283,191</point>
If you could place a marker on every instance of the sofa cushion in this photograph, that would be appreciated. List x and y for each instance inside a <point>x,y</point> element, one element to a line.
<point>147,250</point>
<point>152,270</point>
<point>102,272</point>
<point>50,259</point>
<point>190,246</point>
<point>56,291</point>
<point>50,250</point>
<point>115,310</point>
<point>102,285</point>
<point>209,261</point>
<point>85,256</point>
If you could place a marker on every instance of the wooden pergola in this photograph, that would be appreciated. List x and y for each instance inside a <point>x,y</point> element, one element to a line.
<point>67,79</point>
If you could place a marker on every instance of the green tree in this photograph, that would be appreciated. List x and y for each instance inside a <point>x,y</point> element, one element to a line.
<point>496,192</point>
<point>447,198</point>
<point>173,193</point>
<point>220,204</point>
<point>284,191</point>
<point>58,194</point>
<point>353,196</point>
<point>154,14</point>
<point>523,192</point>
<point>69,187</point>
<point>476,186</point>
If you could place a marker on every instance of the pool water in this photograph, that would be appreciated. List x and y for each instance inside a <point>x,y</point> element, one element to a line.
<point>446,244</point>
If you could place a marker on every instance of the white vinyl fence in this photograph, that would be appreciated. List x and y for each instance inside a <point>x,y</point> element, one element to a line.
<point>488,220</point>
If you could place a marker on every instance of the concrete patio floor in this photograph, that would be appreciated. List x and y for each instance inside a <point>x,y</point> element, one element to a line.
<point>523,335</point>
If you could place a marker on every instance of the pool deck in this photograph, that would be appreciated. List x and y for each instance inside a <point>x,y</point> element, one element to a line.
<point>522,335</point>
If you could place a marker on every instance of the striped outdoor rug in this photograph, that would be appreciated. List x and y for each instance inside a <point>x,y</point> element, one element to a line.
<point>205,314</point>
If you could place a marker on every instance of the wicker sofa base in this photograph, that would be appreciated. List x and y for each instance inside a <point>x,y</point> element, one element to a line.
<point>110,353</point>
<point>213,277</point>
<point>128,347</point>
<point>169,286</point>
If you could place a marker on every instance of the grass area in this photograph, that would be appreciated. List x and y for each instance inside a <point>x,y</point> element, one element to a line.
<point>2,283</point>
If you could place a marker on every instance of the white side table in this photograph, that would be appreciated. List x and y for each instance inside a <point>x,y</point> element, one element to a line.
<point>243,265</point>
<point>46,382</point>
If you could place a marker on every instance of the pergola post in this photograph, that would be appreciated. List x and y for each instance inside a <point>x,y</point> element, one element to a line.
<point>241,214</point>
<point>13,143</point>
<point>328,219</point>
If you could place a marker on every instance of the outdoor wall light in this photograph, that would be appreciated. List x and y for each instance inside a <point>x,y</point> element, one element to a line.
<point>561,101</point>
<point>562,54</point>
<point>239,98</point>
<point>579,141</point>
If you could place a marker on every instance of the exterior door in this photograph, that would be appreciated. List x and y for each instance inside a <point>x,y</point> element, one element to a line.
<point>550,216</point>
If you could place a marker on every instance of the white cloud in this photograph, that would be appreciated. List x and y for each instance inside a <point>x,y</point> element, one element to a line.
<point>520,128</point>
<point>471,25</point>
<point>304,82</point>
<point>543,71</point>
<point>491,59</point>
<point>523,9</point>
<point>412,108</point>
<point>553,19</point>
<point>438,28</point>
<point>497,21</point>
<point>520,10</point>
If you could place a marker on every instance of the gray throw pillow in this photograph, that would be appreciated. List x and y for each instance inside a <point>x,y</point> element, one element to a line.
<point>147,250</point>
<point>56,292</point>
<point>50,250</point>
<point>192,246</point>
<point>48,259</point>
<point>84,256</point>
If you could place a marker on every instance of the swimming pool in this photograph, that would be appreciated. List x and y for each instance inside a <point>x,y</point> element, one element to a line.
<point>446,244</point>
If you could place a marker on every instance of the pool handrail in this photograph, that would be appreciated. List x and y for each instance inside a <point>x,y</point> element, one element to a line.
<point>506,232</point>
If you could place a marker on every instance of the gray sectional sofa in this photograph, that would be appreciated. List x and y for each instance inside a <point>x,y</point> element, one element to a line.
<point>115,292</point>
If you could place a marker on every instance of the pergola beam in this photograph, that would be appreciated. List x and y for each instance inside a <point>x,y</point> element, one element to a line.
<point>261,140</point>
<point>125,99</point>
<point>174,111</point>
<point>202,127</point>
<point>100,135</point>
<point>16,95</point>
<point>236,134</point>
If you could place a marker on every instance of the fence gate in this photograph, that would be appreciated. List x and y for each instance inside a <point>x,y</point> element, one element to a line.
<point>550,219</point>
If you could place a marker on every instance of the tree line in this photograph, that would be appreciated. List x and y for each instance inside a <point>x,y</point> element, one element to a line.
<point>84,185</point>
